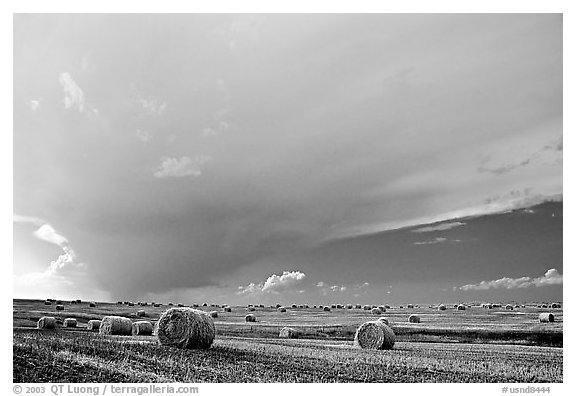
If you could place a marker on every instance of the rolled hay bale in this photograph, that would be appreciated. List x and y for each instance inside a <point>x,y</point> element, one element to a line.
<point>326,308</point>
<point>281,309</point>
<point>119,302</point>
<point>94,324</point>
<point>376,311</point>
<point>510,307</point>
<point>545,317</point>
<point>516,306</point>
<point>544,305</point>
<point>382,308</point>
<point>59,307</point>
<point>214,314</point>
<point>555,305</point>
<point>288,332</point>
<point>387,306</point>
<point>186,328</point>
<point>92,304</point>
<point>142,328</point>
<point>349,306</point>
<point>115,325</point>
<point>456,306</point>
<point>358,306</point>
<point>250,318</point>
<point>367,307</point>
<point>170,304</point>
<point>339,306</point>
<point>414,318</point>
<point>180,305</point>
<point>294,306</point>
<point>333,306</point>
<point>250,309</point>
<point>315,306</point>
<point>70,322</point>
<point>300,306</point>
<point>278,305</point>
<point>46,323</point>
<point>321,306</point>
<point>141,313</point>
<point>78,301</point>
<point>410,305</point>
<point>227,309</point>
<point>374,335</point>
<point>59,302</point>
<point>461,307</point>
<point>441,307</point>
<point>47,302</point>
<point>157,305</point>
<point>384,320</point>
<point>401,307</point>
<point>130,304</point>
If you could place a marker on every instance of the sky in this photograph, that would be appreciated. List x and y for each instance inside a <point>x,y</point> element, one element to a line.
<point>285,158</point>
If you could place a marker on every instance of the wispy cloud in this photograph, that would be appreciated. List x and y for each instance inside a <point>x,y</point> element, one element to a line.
<point>325,288</point>
<point>185,166</point>
<point>275,283</point>
<point>551,277</point>
<point>440,227</point>
<point>27,219</point>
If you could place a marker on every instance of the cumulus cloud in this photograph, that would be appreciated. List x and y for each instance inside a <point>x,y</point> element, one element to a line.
<point>431,242</point>
<point>143,136</point>
<point>440,227</point>
<point>47,233</point>
<point>185,166</point>
<point>73,94</point>
<point>551,277</point>
<point>34,105</point>
<point>275,283</point>
<point>152,107</point>
<point>325,288</point>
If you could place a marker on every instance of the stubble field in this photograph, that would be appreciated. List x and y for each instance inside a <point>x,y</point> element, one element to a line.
<point>475,345</point>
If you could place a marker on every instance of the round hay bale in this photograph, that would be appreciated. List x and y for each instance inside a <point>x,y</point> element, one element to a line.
<point>510,307</point>
<point>130,304</point>
<point>92,304</point>
<point>294,306</point>
<point>46,323</point>
<point>180,305</point>
<point>70,322</point>
<point>157,305</point>
<point>142,328</point>
<point>227,309</point>
<point>555,305</point>
<point>545,317</point>
<point>387,306</point>
<point>278,305</point>
<point>281,309</point>
<point>326,308</point>
<point>288,332</point>
<point>141,313</point>
<point>78,301</point>
<point>376,311</point>
<point>358,306</point>
<point>300,306</point>
<point>214,314</point>
<point>349,306</point>
<point>94,324</point>
<point>374,335</point>
<point>414,318</point>
<point>441,307</point>
<point>115,325</point>
<point>250,318</point>
<point>250,309</point>
<point>461,307</point>
<point>339,306</point>
<point>47,302</point>
<point>401,307</point>
<point>59,307</point>
<point>186,328</point>
<point>367,307</point>
<point>410,305</point>
<point>321,306</point>
<point>58,301</point>
<point>170,304</point>
<point>384,320</point>
<point>382,308</point>
<point>544,305</point>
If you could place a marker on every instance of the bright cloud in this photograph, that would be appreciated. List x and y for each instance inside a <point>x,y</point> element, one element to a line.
<point>551,277</point>
<point>440,227</point>
<point>275,283</point>
<point>185,166</point>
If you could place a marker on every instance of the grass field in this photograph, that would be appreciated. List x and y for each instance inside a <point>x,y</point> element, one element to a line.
<point>475,345</point>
